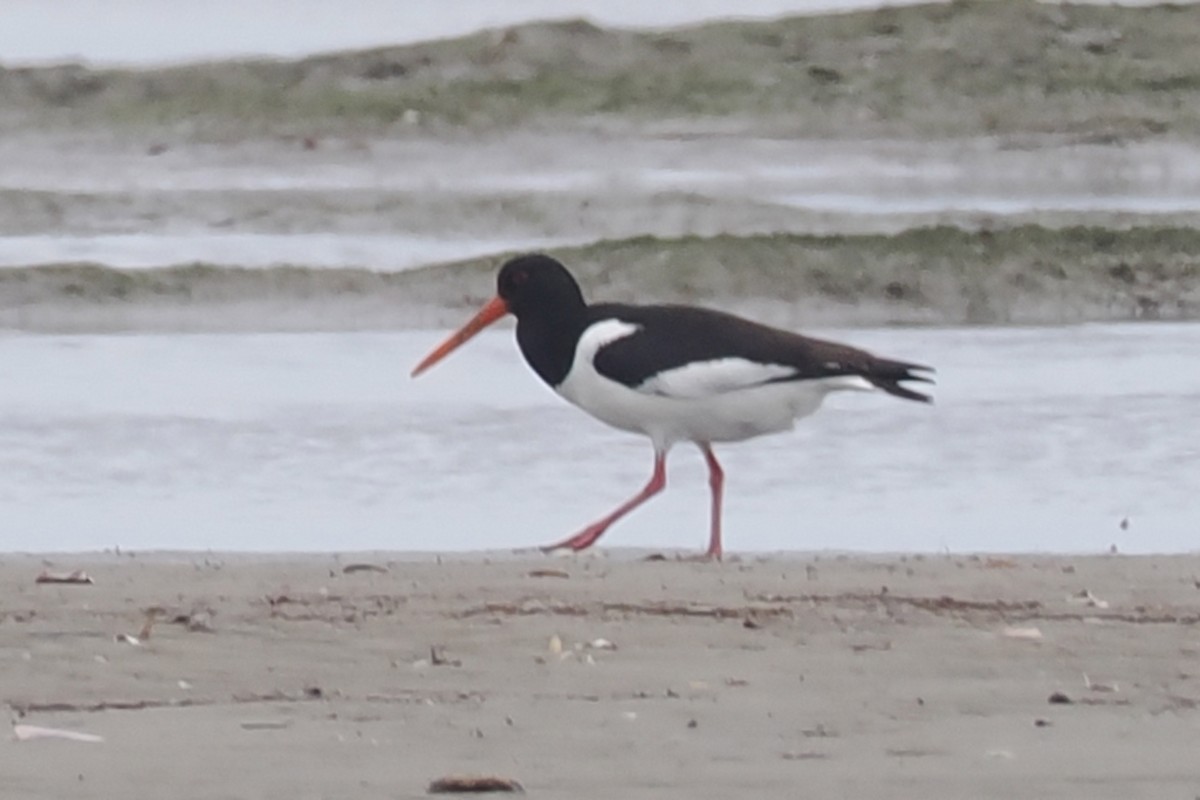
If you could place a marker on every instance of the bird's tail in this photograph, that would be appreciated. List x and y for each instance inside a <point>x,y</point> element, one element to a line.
<point>888,375</point>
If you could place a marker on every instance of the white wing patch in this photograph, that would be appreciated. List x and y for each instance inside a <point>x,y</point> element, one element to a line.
<point>598,335</point>
<point>583,382</point>
<point>710,378</point>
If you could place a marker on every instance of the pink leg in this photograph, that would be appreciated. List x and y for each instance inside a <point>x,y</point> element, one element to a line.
<point>716,482</point>
<point>588,536</point>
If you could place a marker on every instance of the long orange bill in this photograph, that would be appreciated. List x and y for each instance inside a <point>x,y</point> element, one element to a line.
<point>492,310</point>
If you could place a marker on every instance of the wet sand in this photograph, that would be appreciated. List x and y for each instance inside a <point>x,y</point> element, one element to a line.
<point>889,676</point>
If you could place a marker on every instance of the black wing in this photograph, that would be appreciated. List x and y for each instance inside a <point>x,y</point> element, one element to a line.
<point>684,351</point>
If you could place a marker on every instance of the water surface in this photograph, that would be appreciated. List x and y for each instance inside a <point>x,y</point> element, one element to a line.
<point>1042,439</point>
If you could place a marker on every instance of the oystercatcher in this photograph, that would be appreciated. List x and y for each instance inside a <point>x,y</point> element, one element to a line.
<point>671,372</point>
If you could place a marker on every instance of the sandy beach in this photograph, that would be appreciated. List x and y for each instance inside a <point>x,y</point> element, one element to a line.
<point>213,283</point>
<point>609,676</point>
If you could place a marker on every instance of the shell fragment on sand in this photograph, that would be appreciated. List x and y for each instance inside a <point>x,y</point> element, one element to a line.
<point>24,733</point>
<point>1088,599</point>
<point>1095,686</point>
<point>1032,634</point>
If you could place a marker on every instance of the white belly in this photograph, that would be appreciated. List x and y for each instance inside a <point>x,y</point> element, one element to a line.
<point>712,414</point>
<point>700,402</point>
<point>728,417</point>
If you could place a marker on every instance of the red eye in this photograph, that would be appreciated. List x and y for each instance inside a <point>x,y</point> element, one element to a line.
<point>519,278</point>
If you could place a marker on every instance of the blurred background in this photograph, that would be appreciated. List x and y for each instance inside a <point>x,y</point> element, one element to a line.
<point>227,230</point>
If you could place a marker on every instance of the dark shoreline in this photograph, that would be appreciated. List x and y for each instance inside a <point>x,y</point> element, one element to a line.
<point>941,276</point>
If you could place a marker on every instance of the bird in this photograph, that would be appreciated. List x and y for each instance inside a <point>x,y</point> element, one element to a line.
<point>672,373</point>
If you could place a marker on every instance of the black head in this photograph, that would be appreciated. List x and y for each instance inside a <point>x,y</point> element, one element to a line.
<point>537,285</point>
<point>550,314</point>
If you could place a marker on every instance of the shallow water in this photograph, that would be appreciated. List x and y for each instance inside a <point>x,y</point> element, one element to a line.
<point>1041,439</point>
<point>260,204</point>
<point>321,250</point>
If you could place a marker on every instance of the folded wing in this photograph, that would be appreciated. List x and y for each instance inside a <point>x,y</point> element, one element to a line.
<point>696,353</point>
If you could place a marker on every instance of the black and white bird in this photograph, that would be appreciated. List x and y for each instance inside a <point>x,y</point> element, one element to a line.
<point>673,373</point>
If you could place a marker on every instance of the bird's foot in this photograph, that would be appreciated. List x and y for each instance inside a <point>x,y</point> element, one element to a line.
<point>580,541</point>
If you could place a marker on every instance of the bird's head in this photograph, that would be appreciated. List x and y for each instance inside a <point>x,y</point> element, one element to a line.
<point>526,286</point>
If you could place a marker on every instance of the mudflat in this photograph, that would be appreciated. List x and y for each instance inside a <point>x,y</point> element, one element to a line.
<point>372,675</point>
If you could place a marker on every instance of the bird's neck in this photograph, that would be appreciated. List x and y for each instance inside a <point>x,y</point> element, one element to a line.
<point>548,343</point>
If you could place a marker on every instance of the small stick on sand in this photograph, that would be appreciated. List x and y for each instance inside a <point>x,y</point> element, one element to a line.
<point>76,577</point>
<point>477,784</point>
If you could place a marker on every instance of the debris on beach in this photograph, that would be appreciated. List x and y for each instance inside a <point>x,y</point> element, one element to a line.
<point>277,600</point>
<point>548,573</point>
<point>1093,686</point>
<point>144,634</point>
<point>195,621</point>
<point>1088,599</point>
<point>437,657</point>
<point>1060,699</point>
<point>478,784</point>
<point>23,733</point>
<point>819,731</point>
<point>579,651</point>
<point>1023,633</point>
<point>266,725</point>
<point>148,625</point>
<point>350,569</point>
<point>76,577</point>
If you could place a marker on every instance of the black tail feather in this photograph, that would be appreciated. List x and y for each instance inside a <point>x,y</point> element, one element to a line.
<point>888,375</point>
